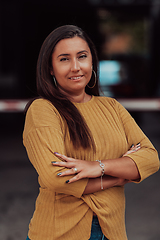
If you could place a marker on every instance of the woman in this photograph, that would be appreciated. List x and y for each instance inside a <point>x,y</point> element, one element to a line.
<point>78,143</point>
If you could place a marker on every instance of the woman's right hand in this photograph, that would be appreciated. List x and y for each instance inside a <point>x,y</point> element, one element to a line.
<point>121,182</point>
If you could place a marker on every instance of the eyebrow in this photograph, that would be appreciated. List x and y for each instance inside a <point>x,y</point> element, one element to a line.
<point>67,54</point>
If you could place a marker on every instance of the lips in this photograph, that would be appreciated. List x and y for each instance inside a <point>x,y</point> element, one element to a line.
<point>75,77</point>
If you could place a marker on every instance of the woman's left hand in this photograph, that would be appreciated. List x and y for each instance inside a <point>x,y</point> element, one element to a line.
<point>133,148</point>
<point>82,168</point>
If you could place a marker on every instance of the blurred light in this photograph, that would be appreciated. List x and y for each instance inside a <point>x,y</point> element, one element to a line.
<point>12,105</point>
<point>109,72</point>
<point>7,81</point>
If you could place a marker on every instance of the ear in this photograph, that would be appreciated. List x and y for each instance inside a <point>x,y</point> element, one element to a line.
<point>51,71</point>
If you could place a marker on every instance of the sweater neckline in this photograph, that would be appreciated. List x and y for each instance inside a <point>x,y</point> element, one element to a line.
<point>85,103</point>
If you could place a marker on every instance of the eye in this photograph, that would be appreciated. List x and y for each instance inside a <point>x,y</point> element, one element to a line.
<point>63,59</point>
<point>83,56</point>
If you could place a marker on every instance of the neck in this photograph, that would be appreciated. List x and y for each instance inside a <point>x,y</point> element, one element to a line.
<point>81,97</point>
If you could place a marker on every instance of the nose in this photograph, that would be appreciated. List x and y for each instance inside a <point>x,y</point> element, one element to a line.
<point>75,66</point>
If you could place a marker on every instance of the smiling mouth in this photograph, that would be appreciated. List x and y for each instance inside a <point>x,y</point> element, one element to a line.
<point>76,78</point>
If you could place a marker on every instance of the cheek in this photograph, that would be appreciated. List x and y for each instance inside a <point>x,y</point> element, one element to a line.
<point>59,71</point>
<point>88,73</point>
<point>89,70</point>
<point>87,67</point>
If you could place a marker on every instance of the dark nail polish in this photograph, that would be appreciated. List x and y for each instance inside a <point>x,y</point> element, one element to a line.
<point>67,181</point>
<point>59,174</point>
<point>53,162</point>
<point>132,145</point>
<point>56,153</point>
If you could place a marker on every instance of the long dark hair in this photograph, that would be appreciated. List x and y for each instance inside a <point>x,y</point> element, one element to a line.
<point>80,134</point>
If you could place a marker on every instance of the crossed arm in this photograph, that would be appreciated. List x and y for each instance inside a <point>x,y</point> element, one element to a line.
<point>43,133</point>
<point>117,172</point>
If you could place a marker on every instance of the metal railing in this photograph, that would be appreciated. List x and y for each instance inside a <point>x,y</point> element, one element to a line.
<point>151,104</point>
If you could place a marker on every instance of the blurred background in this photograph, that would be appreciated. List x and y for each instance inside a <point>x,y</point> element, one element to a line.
<point>127,36</point>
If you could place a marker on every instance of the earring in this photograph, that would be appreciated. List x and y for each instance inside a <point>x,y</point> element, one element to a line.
<point>95,76</point>
<point>54,80</point>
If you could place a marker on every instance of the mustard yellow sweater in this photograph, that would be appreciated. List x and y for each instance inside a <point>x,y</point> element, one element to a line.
<point>61,211</point>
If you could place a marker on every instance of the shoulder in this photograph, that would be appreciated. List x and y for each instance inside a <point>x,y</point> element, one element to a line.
<point>41,113</point>
<point>115,108</point>
<point>107,101</point>
<point>40,103</point>
<point>41,106</point>
<point>112,105</point>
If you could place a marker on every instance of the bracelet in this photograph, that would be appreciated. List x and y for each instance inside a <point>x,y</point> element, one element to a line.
<point>102,173</point>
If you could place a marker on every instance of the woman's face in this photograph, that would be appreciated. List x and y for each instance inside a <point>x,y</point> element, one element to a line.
<point>72,65</point>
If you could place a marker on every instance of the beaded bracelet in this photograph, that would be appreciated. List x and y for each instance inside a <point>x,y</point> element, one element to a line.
<point>102,173</point>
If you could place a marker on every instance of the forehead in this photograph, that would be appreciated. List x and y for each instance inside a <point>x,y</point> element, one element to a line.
<point>71,45</point>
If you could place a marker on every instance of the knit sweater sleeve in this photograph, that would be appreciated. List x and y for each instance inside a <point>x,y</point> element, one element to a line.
<point>146,158</point>
<point>43,135</point>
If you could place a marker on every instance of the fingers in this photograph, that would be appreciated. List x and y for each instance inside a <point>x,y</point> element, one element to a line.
<point>67,159</point>
<point>134,148</point>
<point>68,172</point>
<point>75,167</point>
<point>74,179</point>
<point>122,182</point>
<point>62,164</point>
<point>68,162</point>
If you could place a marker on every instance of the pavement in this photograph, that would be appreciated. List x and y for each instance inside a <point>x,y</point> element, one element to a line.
<point>19,187</point>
